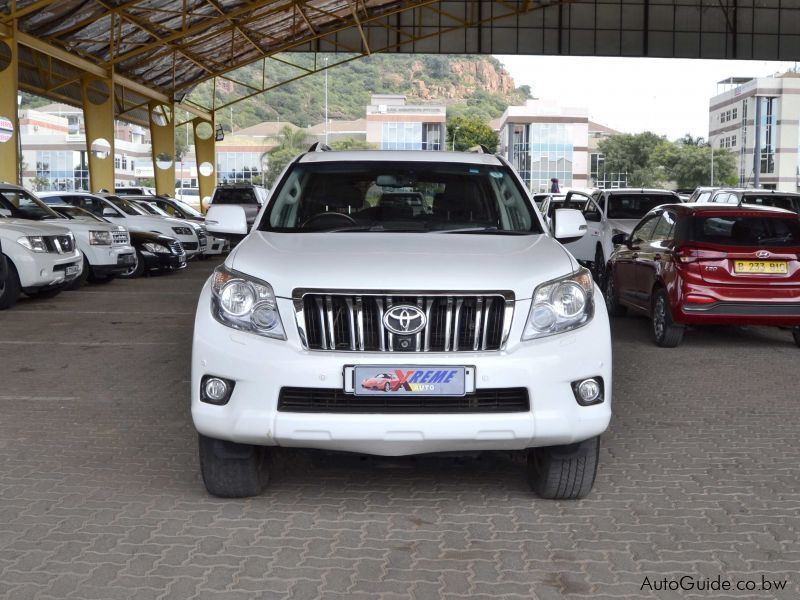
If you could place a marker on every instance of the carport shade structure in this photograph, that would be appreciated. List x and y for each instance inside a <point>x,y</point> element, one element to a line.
<point>158,51</point>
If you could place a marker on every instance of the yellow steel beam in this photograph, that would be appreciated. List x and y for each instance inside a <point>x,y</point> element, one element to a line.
<point>98,118</point>
<point>9,126</point>
<point>162,136</point>
<point>354,8</point>
<point>98,71</point>
<point>16,13</point>
<point>205,157</point>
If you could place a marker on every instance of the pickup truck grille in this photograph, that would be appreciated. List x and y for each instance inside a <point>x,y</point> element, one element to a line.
<point>354,322</point>
<point>59,244</point>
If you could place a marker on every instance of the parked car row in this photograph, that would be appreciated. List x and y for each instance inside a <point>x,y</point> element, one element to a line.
<point>727,256</point>
<point>63,239</point>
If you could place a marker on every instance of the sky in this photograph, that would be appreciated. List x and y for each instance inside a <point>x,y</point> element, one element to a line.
<point>667,96</point>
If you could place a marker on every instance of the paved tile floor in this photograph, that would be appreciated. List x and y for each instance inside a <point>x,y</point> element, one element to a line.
<point>100,495</point>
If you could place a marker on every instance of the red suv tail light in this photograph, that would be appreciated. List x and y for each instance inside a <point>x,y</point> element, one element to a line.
<point>688,254</point>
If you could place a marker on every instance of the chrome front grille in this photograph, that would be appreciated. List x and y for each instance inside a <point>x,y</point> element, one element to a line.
<point>120,238</point>
<point>354,321</point>
<point>177,248</point>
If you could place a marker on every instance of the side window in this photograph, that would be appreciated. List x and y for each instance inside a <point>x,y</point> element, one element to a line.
<point>644,231</point>
<point>591,212</point>
<point>721,198</point>
<point>664,228</point>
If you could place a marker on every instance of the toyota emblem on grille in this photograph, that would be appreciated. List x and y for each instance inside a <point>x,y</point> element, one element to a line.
<point>762,254</point>
<point>404,320</point>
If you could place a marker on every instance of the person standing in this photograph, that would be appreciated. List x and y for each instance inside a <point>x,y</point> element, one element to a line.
<point>554,189</point>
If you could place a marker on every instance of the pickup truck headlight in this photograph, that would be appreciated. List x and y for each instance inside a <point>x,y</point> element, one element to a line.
<point>245,303</point>
<point>560,305</point>
<point>155,248</point>
<point>34,243</point>
<point>182,230</point>
<point>100,238</point>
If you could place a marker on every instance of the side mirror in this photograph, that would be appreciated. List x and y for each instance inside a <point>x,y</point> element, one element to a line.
<point>568,225</point>
<point>621,239</point>
<point>593,216</point>
<point>110,212</point>
<point>227,222</point>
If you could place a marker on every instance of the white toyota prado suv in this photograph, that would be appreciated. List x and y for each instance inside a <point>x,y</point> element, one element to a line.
<point>344,323</point>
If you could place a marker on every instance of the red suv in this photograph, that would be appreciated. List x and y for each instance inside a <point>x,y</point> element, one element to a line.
<point>708,264</point>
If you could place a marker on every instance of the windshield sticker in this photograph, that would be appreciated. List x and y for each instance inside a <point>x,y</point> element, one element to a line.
<point>496,174</point>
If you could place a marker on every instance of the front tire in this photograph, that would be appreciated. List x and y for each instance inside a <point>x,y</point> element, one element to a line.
<point>232,470</point>
<point>387,387</point>
<point>564,472</point>
<point>666,333</point>
<point>614,308</point>
<point>9,289</point>
<point>78,282</point>
<point>136,269</point>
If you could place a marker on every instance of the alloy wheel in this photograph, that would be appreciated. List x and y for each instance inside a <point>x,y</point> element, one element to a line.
<point>659,318</point>
<point>132,269</point>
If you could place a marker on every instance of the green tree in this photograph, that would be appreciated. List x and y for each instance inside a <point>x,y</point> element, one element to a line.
<point>468,132</point>
<point>633,154</point>
<point>291,142</point>
<point>689,165</point>
<point>351,144</point>
<point>40,184</point>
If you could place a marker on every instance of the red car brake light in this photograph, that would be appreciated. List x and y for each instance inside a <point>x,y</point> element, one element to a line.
<point>689,254</point>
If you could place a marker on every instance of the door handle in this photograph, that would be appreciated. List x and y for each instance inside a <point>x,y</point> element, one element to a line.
<point>635,255</point>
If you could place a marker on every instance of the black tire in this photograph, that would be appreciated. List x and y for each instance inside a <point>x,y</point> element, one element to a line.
<point>9,289</point>
<point>232,470</point>
<point>599,267</point>
<point>614,308</point>
<point>387,387</point>
<point>136,270</point>
<point>666,333</point>
<point>78,282</point>
<point>564,472</point>
<point>796,335</point>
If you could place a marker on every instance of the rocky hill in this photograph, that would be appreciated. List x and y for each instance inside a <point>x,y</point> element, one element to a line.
<point>467,84</point>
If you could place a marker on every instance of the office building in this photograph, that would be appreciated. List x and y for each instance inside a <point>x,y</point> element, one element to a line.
<point>394,125</point>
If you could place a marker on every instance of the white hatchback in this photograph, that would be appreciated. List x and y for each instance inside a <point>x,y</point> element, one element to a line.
<point>343,323</point>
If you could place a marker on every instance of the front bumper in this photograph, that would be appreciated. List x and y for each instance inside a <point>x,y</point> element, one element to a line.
<point>162,262</point>
<point>108,261</point>
<point>39,271</point>
<point>261,367</point>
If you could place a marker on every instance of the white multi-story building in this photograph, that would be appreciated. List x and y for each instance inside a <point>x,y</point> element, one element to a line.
<point>394,125</point>
<point>546,141</point>
<point>54,149</point>
<point>758,119</point>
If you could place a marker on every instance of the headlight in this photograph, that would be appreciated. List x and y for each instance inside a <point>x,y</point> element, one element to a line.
<point>155,248</point>
<point>182,230</point>
<point>100,238</point>
<point>560,305</point>
<point>245,303</point>
<point>34,243</point>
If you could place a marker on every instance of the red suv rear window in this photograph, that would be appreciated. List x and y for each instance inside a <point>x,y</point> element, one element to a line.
<point>747,230</point>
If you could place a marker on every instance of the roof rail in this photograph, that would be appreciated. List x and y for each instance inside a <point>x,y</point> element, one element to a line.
<point>319,147</point>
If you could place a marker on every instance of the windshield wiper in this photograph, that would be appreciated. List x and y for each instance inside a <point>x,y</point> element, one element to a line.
<point>492,230</point>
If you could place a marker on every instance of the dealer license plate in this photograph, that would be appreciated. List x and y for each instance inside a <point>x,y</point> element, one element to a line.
<point>760,266</point>
<point>72,270</point>
<point>441,380</point>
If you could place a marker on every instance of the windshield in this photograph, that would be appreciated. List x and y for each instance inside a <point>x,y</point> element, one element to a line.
<point>129,208</point>
<point>22,205</point>
<point>396,196</point>
<point>187,209</point>
<point>748,230</point>
<point>635,206</point>
<point>788,202</point>
<point>235,196</point>
<point>73,212</point>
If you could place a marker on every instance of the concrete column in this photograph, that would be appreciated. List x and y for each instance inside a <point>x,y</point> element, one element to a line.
<point>98,120</point>
<point>205,157</point>
<point>162,136</point>
<point>9,125</point>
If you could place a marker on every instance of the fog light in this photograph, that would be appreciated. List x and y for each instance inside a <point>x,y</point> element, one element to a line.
<point>215,390</point>
<point>588,391</point>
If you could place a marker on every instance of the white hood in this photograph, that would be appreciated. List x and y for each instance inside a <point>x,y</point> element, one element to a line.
<point>28,227</point>
<point>148,223</point>
<point>401,261</point>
